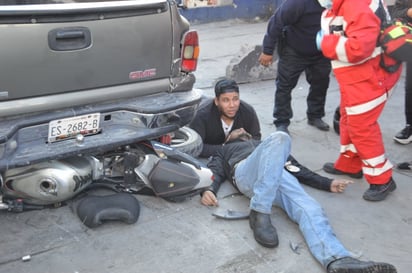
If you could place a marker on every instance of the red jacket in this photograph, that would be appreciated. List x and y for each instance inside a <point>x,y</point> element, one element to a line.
<point>352,31</point>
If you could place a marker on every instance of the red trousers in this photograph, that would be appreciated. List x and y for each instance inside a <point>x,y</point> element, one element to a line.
<point>362,102</point>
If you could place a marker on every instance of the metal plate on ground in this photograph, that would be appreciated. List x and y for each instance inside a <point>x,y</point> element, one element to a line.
<point>232,207</point>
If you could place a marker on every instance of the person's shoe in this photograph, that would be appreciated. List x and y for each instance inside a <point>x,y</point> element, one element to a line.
<point>330,168</point>
<point>352,265</point>
<point>405,166</point>
<point>379,192</point>
<point>318,123</point>
<point>263,230</point>
<point>283,128</point>
<point>404,136</point>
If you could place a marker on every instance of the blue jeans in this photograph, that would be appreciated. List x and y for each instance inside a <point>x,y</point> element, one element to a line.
<point>262,178</point>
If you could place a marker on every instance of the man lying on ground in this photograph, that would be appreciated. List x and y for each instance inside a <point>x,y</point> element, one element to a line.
<point>257,170</point>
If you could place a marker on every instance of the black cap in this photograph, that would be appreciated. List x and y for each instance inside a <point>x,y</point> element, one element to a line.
<point>225,86</point>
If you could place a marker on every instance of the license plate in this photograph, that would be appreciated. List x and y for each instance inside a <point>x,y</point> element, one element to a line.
<point>61,129</point>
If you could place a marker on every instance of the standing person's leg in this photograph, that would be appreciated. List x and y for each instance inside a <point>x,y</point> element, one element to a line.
<point>405,135</point>
<point>408,93</point>
<point>348,162</point>
<point>366,136</point>
<point>366,143</point>
<point>317,75</point>
<point>258,178</point>
<point>290,67</point>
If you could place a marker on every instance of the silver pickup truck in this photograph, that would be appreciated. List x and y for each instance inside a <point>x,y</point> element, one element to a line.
<point>80,78</point>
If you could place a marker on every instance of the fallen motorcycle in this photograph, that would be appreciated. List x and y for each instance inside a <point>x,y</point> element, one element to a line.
<point>147,167</point>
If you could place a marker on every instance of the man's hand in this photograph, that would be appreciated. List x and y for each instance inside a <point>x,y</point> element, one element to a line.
<point>339,185</point>
<point>409,11</point>
<point>238,133</point>
<point>265,59</point>
<point>209,199</point>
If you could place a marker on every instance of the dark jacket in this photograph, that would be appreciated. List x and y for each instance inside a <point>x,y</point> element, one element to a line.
<point>208,125</point>
<point>400,9</point>
<point>222,165</point>
<point>298,21</point>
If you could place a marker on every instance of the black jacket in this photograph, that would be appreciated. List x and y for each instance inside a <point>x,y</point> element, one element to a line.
<point>208,125</point>
<point>400,9</point>
<point>223,162</point>
<point>297,23</point>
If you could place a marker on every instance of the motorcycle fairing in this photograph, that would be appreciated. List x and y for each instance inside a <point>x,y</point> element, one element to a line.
<point>169,178</point>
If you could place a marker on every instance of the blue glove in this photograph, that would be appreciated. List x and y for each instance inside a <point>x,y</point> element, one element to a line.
<point>319,38</point>
<point>327,4</point>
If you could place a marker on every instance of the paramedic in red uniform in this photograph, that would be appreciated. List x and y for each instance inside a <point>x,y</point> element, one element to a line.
<point>348,36</point>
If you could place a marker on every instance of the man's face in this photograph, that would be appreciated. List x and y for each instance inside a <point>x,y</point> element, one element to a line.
<point>228,104</point>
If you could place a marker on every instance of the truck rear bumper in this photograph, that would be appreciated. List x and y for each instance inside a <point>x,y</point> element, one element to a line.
<point>24,139</point>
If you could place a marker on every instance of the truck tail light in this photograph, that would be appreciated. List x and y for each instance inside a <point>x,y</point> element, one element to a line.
<point>190,51</point>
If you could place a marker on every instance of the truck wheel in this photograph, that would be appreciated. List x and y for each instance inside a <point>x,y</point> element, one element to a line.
<point>188,141</point>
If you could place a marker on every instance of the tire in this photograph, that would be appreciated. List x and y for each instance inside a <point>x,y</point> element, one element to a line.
<point>188,141</point>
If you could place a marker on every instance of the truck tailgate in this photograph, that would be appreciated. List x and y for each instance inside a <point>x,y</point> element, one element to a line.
<point>82,46</point>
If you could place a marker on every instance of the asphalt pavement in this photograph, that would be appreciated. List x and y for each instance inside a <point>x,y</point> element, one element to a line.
<point>185,237</point>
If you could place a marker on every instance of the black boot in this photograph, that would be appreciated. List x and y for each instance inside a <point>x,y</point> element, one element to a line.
<point>379,192</point>
<point>263,230</point>
<point>352,265</point>
<point>318,123</point>
<point>329,167</point>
